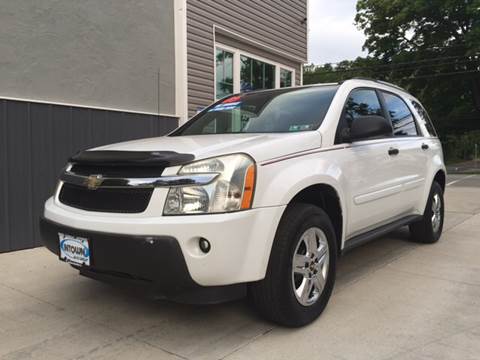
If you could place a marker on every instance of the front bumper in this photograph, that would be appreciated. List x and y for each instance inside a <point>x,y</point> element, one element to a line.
<point>240,242</point>
<point>135,261</point>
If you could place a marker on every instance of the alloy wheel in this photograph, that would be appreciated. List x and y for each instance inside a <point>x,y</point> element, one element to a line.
<point>436,212</point>
<point>310,266</point>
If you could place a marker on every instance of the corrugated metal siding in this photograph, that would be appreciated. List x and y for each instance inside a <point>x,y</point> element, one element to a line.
<point>35,143</point>
<point>274,23</point>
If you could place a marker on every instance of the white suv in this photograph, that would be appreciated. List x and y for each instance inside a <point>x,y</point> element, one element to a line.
<point>258,194</point>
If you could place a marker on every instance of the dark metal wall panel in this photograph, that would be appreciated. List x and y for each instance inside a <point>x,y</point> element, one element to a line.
<point>19,160</point>
<point>36,140</point>
<point>44,172</point>
<point>4,174</point>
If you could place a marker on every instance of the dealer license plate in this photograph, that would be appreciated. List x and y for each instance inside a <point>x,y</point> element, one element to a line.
<point>74,250</point>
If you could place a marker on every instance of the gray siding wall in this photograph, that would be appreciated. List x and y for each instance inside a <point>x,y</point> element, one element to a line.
<point>35,142</point>
<point>108,53</point>
<point>274,23</point>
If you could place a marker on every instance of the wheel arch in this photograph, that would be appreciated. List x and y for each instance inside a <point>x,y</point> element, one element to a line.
<point>441,178</point>
<point>328,198</point>
<point>438,175</point>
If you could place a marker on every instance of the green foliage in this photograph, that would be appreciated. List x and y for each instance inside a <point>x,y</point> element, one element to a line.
<point>396,27</point>
<point>461,147</point>
<point>429,47</point>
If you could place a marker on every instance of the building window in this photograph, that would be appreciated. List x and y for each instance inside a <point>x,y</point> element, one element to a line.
<point>239,71</point>
<point>224,73</point>
<point>256,74</point>
<point>285,78</point>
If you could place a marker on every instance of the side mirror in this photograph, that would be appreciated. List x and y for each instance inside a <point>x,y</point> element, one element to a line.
<point>370,126</point>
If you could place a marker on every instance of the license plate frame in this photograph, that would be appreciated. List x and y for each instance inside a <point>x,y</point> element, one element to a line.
<point>74,250</point>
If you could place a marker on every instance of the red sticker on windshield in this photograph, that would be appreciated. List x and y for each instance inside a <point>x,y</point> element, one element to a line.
<point>232,99</point>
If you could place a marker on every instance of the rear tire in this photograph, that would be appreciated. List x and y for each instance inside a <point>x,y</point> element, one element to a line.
<point>429,229</point>
<point>301,270</point>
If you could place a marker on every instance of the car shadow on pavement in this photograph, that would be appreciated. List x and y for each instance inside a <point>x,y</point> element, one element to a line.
<point>373,255</point>
<point>352,266</point>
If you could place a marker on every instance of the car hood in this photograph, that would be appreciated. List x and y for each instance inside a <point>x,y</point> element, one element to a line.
<point>260,146</point>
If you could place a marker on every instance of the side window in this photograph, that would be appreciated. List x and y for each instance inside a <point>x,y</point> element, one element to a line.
<point>360,102</point>
<point>403,121</point>
<point>363,102</point>
<point>425,118</point>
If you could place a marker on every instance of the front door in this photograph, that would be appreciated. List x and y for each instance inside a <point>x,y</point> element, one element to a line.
<point>372,175</point>
<point>372,178</point>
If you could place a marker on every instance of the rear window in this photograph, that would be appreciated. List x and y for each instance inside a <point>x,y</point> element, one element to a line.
<point>287,110</point>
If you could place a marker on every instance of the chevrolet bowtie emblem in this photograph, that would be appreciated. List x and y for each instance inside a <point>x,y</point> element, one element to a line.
<point>93,182</point>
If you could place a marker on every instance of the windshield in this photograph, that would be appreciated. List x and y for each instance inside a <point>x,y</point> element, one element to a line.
<point>286,110</point>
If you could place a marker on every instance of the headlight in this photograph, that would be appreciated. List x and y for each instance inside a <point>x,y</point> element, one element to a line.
<point>232,190</point>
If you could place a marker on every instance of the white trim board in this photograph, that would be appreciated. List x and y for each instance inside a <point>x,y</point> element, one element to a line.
<point>308,35</point>
<point>86,106</point>
<point>181,75</point>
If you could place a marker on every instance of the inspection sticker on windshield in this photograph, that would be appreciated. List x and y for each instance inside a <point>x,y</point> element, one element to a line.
<point>74,250</point>
<point>299,127</point>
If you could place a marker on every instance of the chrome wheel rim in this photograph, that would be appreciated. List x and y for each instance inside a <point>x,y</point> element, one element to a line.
<point>436,212</point>
<point>310,266</point>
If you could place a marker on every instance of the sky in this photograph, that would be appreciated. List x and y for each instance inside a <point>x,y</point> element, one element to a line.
<point>332,35</point>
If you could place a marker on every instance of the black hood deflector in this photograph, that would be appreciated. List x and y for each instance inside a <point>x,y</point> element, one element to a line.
<point>131,158</point>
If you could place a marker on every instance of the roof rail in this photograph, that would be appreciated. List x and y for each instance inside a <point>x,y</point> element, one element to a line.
<point>377,81</point>
<point>390,84</point>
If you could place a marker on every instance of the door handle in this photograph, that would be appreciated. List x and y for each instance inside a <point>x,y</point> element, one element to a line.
<point>393,151</point>
<point>424,146</point>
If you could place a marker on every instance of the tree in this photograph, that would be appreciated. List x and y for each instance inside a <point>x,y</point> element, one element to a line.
<point>433,47</point>
<point>396,27</point>
<point>430,47</point>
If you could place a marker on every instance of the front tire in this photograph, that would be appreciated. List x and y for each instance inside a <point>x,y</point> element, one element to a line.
<point>301,271</point>
<point>429,229</point>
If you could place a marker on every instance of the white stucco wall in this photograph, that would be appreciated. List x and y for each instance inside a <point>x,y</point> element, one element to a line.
<point>102,53</point>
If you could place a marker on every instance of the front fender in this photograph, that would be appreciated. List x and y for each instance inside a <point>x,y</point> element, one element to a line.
<point>278,183</point>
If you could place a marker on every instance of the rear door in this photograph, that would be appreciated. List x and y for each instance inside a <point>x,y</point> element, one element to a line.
<point>411,161</point>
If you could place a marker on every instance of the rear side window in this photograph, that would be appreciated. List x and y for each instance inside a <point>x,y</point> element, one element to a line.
<point>425,118</point>
<point>402,118</point>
